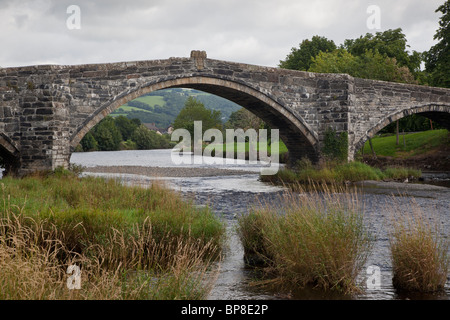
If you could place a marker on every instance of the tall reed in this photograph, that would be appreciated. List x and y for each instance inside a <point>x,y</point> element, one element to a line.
<point>315,239</point>
<point>419,250</point>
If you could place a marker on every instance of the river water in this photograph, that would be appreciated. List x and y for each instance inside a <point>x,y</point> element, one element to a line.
<point>232,195</point>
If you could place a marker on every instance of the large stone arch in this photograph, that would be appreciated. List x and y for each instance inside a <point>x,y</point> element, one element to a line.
<point>438,113</point>
<point>300,139</point>
<point>9,154</point>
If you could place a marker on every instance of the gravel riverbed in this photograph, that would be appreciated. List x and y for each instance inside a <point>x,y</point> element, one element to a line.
<point>167,172</point>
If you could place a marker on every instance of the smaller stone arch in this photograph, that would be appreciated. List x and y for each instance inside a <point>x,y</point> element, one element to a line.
<point>438,113</point>
<point>9,154</point>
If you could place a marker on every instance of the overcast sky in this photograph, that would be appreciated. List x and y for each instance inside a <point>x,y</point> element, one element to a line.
<point>258,32</point>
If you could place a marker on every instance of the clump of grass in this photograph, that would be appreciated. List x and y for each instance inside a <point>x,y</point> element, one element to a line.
<point>315,240</point>
<point>130,242</point>
<point>402,173</point>
<point>337,173</point>
<point>419,253</point>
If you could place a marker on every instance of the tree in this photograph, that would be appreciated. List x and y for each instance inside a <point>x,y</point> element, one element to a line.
<point>437,59</point>
<point>125,126</point>
<point>389,43</point>
<point>196,111</point>
<point>370,65</point>
<point>147,139</point>
<point>301,58</point>
<point>244,119</point>
<point>107,135</point>
<point>88,143</point>
<point>381,56</point>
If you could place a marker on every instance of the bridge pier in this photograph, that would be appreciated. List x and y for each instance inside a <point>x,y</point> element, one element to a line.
<point>36,124</point>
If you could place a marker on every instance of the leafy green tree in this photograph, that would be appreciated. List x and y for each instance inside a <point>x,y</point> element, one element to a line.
<point>301,58</point>
<point>412,123</point>
<point>437,59</point>
<point>136,121</point>
<point>88,143</point>
<point>196,111</point>
<point>244,119</point>
<point>107,135</point>
<point>125,126</point>
<point>369,65</point>
<point>389,43</point>
<point>147,139</point>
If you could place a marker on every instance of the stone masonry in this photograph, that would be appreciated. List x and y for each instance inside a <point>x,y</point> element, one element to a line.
<point>46,110</point>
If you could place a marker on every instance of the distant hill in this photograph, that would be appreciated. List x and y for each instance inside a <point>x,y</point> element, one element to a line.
<point>162,107</point>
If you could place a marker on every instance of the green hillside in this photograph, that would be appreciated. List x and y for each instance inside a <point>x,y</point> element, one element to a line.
<point>161,107</point>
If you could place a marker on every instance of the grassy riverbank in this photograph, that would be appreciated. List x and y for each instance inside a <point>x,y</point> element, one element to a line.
<point>130,242</point>
<point>427,150</point>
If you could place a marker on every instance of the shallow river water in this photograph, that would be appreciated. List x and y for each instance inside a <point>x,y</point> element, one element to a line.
<point>232,195</point>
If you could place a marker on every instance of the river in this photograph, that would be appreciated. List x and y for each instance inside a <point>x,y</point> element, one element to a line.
<point>231,195</point>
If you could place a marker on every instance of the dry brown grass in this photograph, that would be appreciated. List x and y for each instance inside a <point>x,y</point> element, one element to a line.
<point>419,251</point>
<point>31,271</point>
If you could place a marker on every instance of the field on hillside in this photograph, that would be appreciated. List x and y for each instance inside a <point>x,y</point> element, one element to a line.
<point>161,107</point>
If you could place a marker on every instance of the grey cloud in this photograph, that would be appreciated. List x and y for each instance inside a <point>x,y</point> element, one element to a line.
<point>257,32</point>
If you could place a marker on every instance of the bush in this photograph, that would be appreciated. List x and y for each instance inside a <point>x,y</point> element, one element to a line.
<point>335,146</point>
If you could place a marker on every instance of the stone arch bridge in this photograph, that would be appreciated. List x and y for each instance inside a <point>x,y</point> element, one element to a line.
<point>45,110</point>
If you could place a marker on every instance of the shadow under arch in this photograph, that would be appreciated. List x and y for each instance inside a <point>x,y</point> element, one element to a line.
<point>9,155</point>
<point>296,134</point>
<point>437,113</point>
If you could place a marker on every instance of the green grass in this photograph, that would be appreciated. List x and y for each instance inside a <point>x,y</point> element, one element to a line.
<point>152,100</point>
<point>126,108</point>
<point>110,229</point>
<point>416,144</point>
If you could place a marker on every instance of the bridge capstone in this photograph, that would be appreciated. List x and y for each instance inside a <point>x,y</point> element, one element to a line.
<point>46,110</point>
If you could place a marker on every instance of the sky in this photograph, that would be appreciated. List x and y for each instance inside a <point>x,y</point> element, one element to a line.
<point>260,32</point>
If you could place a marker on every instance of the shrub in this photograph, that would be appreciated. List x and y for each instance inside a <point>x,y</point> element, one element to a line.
<point>335,146</point>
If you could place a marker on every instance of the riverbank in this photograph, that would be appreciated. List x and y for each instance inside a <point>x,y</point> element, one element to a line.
<point>436,160</point>
<point>128,242</point>
<point>426,151</point>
